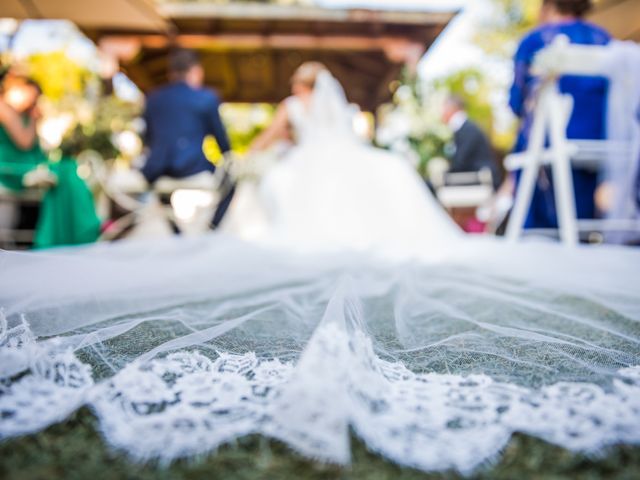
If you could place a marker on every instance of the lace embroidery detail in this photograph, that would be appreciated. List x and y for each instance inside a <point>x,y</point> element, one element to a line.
<point>54,387</point>
<point>186,403</point>
<point>16,345</point>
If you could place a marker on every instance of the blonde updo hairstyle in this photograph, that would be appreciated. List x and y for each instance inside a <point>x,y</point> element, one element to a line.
<point>307,74</point>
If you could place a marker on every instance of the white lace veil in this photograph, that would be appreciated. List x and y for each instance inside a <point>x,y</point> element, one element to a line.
<point>330,112</point>
<point>182,345</point>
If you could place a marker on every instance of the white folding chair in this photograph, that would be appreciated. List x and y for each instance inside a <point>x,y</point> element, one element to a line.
<point>10,236</point>
<point>550,119</point>
<point>149,217</point>
<point>465,189</point>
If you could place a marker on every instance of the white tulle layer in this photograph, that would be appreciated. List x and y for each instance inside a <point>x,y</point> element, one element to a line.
<point>186,404</point>
<point>181,346</point>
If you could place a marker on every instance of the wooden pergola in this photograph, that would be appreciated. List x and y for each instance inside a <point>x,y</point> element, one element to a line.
<point>123,15</point>
<point>250,50</point>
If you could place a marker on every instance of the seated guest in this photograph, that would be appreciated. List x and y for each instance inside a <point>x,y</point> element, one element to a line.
<point>178,117</point>
<point>473,150</point>
<point>67,215</point>
<point>561,17</point>
<point>20,151</point>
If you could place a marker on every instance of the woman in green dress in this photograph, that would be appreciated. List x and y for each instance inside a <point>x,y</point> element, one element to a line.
<point>67,213</point>
<point>20,151</point>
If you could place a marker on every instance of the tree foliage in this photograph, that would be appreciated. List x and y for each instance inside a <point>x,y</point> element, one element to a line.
<point>472,86</point>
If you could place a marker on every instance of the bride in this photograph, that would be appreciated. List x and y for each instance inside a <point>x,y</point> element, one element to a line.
<point>181,345</point>
<point>331,191</point>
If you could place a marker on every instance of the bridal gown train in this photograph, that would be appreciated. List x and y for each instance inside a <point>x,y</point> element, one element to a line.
<point>353,304</point>
<point>333,192</point>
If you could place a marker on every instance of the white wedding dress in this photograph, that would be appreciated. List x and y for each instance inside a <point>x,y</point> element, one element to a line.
<point>334,192</point>
<point>357,307</point>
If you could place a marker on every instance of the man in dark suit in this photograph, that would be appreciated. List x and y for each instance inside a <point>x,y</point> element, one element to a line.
<point>178,116</point>
<point>473,150</point>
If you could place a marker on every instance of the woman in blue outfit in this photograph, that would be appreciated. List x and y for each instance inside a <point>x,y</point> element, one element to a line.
<point>561,17</point>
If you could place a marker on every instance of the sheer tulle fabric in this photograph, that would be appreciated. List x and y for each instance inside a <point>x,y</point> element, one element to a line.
<point>183,345</point>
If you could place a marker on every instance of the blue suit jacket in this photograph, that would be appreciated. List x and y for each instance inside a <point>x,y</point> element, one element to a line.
<point>178,117</point>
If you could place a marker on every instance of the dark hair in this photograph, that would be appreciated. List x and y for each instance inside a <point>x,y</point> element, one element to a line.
<point>578,8</point>
<point>182,60</point>
<point>4,73</point>
<point>28,81</point>
<point>32,83</point>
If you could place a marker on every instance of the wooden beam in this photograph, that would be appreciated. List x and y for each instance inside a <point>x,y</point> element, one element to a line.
<point>123,15</point>
<point>261,12</point>
<point>225,42</point>
<point>619,17</point>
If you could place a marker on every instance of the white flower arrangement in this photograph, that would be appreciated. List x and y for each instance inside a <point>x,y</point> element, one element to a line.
<point>413,128</point>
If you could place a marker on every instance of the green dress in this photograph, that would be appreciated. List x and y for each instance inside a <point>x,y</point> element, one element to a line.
<point>15,162</point>
<point>67,213</point>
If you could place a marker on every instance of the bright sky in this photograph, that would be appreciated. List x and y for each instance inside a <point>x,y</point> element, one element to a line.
<point>38,36</point>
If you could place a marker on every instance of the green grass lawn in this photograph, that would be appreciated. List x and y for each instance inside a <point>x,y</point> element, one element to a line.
<point>74,450</point>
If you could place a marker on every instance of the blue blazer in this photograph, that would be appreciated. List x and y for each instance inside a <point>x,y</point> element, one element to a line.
<point>178,118</point>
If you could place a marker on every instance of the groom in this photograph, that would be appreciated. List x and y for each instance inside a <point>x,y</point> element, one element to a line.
<point>178,116</point>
